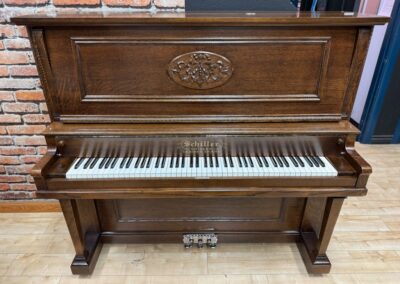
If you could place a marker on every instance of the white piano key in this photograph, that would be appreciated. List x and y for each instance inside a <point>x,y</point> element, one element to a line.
<point>80,171</point>
<point>223,169</point>
<point>289,170</point>
<point>149,166</point>
<point>309,168</point>
<point>295,170</point>
<point>202,169</point>
<point>237,170</point>
<point>331,170</point>
<point>71,171</point>
<point>274,169</point>
<point>95,170</point>
<point>190,171</point>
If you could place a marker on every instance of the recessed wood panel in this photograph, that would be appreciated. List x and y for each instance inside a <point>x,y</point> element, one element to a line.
<point>193,214</point>
<point>132,70</point>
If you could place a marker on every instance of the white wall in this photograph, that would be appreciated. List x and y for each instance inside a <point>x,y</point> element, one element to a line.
<point>385,9</point>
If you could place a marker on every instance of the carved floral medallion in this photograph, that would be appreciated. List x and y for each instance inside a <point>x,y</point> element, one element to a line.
<point>200,70</point>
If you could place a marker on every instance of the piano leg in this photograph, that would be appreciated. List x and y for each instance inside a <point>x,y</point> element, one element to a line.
<point>319,219</point>
<point>84,228</point>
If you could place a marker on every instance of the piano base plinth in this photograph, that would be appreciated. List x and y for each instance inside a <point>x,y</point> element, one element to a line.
<point>83,265</point>
<point>315,264</point>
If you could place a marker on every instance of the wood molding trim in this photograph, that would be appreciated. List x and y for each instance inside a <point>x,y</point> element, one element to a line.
<point>29,206</point>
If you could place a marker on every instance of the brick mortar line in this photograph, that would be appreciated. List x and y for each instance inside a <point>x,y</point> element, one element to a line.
<point>50,7</point>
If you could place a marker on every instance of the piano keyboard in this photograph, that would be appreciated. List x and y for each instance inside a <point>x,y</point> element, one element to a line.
<point>199,167</point>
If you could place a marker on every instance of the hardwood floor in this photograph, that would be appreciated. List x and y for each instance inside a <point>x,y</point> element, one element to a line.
<point>36,248</point>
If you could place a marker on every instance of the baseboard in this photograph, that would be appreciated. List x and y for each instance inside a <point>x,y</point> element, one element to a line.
<point>382,139</point>
<point>29,206</point>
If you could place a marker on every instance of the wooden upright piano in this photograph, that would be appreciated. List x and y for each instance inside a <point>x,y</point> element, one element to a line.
<point>200,128</point>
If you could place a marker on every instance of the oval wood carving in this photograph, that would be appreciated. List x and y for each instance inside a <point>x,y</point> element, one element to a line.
<point>200,70</point>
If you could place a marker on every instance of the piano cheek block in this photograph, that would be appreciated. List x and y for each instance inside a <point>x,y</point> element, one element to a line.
<point>200,129</point>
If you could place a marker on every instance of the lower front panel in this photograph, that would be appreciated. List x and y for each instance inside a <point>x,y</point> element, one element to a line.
<point>165,216</point>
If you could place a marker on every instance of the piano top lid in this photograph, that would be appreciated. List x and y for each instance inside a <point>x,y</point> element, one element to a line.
<point>202,18</point>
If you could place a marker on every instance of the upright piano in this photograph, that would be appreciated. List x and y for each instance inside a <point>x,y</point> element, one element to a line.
<point>200,128</point>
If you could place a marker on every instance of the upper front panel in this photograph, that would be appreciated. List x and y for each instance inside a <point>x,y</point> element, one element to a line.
<point>186,74</point>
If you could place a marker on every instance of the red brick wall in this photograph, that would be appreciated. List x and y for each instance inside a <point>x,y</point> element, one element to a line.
<point>23,112</point>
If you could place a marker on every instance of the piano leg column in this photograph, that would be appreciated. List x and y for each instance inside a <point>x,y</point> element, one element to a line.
<point>319,220</point>
<point>84,228</point>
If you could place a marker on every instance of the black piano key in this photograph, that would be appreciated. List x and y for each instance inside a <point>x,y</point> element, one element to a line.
<point>279,161</point>
<point>205,161</point>
<point>143,163</point>
<point>231,161</point>
<point>211,163</point>
<point>183,161</point>
<point>191,161</point>
<point>320,161</point>
<point>197,161</point>
<point>259,162</point>
<point>123,162</point>
<point>114,162</point>
<point>245,162</point>
<point>88,162</point>
<point>129,162</point>
<point>216,161</point>
<point>314,161</point>
<point>250,161</point>
<point>138,162</point>
<point>264,159</point>
<point>294,161</point>
<point>274,161</point>
<point>94,163</point>
<point>108,163</point>
<point>308,161</point>
<point>285,162</point>
<point>103,162</point>
<point>149,162</point>
<point>299,161</point>
<point>80,161</point>
<point>158,161</point>
<point>177,161</point>
<point>225,162</point>
<point>171,163</point>
<point>240,162</point>
<point>163,162</point>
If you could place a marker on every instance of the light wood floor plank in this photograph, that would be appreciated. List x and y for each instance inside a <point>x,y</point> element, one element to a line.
<point>30,280</point>
<point>6,262</point>
<point>361,223</point>
<point>40,265</point>
<point>255,263</point>
<point>365,241</point>
<point>361,261</point>
<point>312,279</point>
<point>366,207</point>
<point>163,263</point>
<point>36,243</point>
